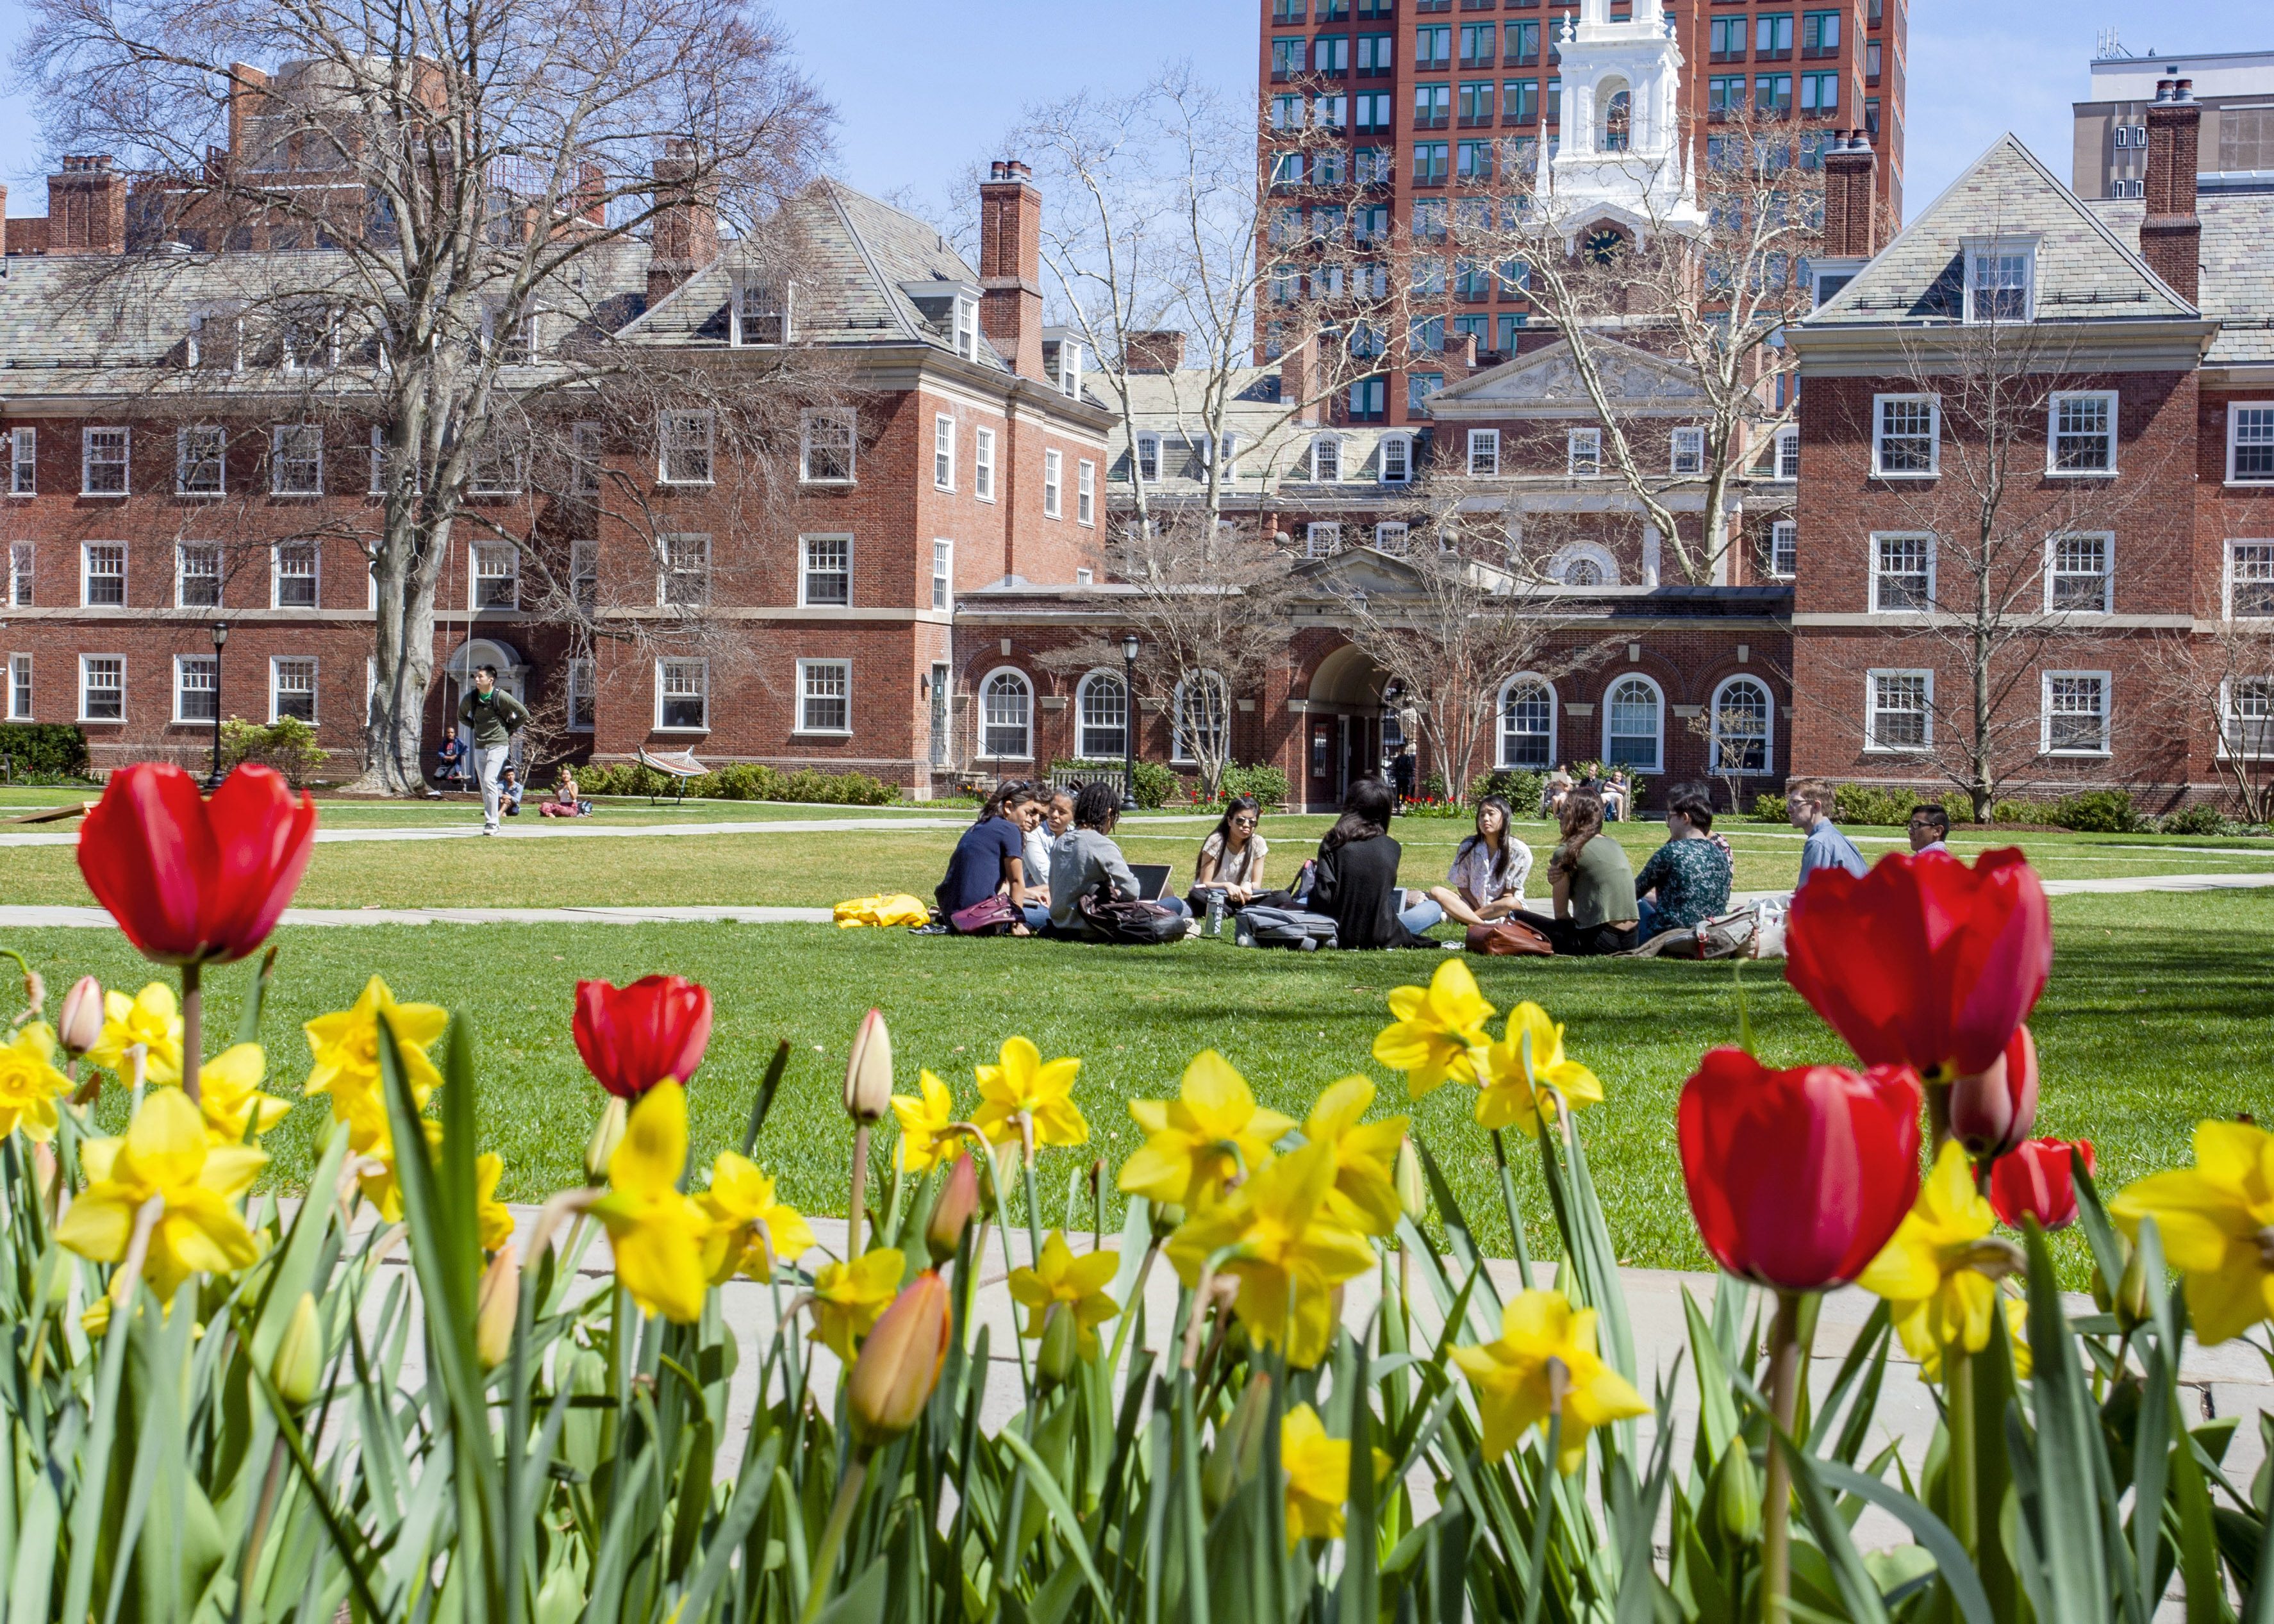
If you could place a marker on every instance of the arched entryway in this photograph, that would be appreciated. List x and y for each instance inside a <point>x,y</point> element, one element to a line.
<point>1343,726</point>
<point>513,674</point>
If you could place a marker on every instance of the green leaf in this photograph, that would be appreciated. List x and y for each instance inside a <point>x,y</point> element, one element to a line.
<point>2070,1464</point>
<point>256,999</point>
<point>1061,1510</point>
<point>1857,1592</point>
<point>1973,1602</point>
<point>1717,1412</point>
<point>764,1102</point>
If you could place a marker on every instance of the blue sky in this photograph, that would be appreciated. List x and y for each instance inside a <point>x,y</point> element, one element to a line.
<point>920,102</point>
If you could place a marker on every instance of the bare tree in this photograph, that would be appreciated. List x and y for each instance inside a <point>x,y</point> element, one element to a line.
<point>474,174</point>
<point>2222,680</point>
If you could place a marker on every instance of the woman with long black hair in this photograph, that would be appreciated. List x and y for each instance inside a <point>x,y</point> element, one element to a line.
<point>1231,859</point>
<point>1485,882</point>
<point>1356,883</point>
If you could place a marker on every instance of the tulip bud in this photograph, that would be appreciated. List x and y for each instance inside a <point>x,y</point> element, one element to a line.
<point>894,1375</point>
<point>1412,1191</point>
<point>498,1308</point>
<point>1992,1112</point>
<point>560,1600</point>
<point>299,1363</point>
<point>80,1026</point>
<point>2103,1298</point>
<point>1061,1345</point>
<point>869,1073</point>
<point>606,1137</point>
<point>1737,1494</point>
<point>2133,1304</point>
<point>951,1214</point>
<point>1238,1454</point>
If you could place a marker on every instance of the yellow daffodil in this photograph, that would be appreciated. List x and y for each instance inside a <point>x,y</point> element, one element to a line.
<point>1439,1030</point>
<point>345,1044</point>
<point>1515,1088</point>
<point>1318,1476</point>
<point>926,1138</point>
<point>2017,1333</point>
<point>1021,1082</point>
<point>165,1154</point>
<point>739,1200</point>
<point>491,1215</point>
<point>1211,1133</point>
<point>29,1082</point>
<point>656,1232</point>
<point>370,1140</point>
<point>229,1096</point>
<point>1293,1252</point>
<point>1077,1281</point>
<point>1365,1196</point>
<point>1514,1382</point>
<point>2217,1222</point>
<point>1940,1272</point>
<point>849,1298</point>
<point>151,1017</point>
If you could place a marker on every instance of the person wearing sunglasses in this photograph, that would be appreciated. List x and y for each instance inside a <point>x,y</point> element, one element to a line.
<point>1230,860</point>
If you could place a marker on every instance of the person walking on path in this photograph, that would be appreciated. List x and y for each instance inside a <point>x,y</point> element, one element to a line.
<point>494,717</point>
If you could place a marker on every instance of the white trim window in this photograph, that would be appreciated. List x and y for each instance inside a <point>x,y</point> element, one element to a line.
<point>2246,710</point>
<point>824,571</point>
<point>2075,713</point>
<point>496,575</point>
<point>826,448</point>
<point>292,688</point>
<point>308,341</point>
<point>19,688</point>
<point>942,573</point>
<point>23,462</point>
<point>684,447</point>
<point>1101,708</point>
<point>583,697</point>
<point>1903,575</point>
<point>2080,574</point>
<point>942,452</point>
<point>763,311</point>
<point>1202,717</point>
<point>982,464</point>
<point>196,687</point>
<point>685,578</point>
<point>1483,454</point>
<point>197,575</point>
<point>584,573</point>
<point>296,459</point>
<point>1149,459</point>
<point>22,557</point>
<point>102,575</point>
<point>587,458</point>
<point>1634,714</point>
<point>1231,456</point>
<point>497,468</point>
<point>824,697</point>
<point>295,574</point>
<point>1392,537</point>
<point>2001,282</point>
<point>103,468</point>
<point>2249,581</point>
<point>2080,434</point>
<point>1784,548</point>
<point>1582,454</point>
<point>965,340</point>
<point>1688,454</point>
<point>2249,442</point>
<point>1007,709</point>
<point>200,458</point>
<point>1326,458</point>
<point>1742,720</point>
<point>102,687</point>
<point>1084,492</point>
<point>682,695</point>
<point>1396,459</point>
<point>1527,722</point>
<point>1053,479</point>
<point>1787,452</point>
<point>1906,436</point>
<point>1322,539</point>
<point>1584,564</point>
<point>378,461</point>
<point>1898,710</point>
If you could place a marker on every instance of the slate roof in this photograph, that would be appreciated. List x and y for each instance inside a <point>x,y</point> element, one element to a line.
<point>2238,268</point>
<point>1268,459</point>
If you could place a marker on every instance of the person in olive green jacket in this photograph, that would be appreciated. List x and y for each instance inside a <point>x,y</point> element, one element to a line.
<point>1594,885</point>
<point>494,717</point>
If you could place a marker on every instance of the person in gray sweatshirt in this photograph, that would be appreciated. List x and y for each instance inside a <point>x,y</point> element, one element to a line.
<point>494,715</point>
<point>1084,858</point>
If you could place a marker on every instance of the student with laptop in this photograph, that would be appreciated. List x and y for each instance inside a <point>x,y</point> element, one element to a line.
<point>1085,861</point>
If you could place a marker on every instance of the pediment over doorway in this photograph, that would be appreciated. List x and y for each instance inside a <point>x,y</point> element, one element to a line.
<point>1547,382</point>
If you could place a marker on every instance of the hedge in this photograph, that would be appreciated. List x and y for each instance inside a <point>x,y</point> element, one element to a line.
<point>44,749</point>
<point>742,781</point>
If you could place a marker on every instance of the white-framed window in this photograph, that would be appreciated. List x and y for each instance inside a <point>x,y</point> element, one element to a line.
<point>19,688</point>
<point>1898,710</point>
<point>824,570</point>
<point>515,342</point>
<point>497,575</point>
<point>1231,450</point>
<point>296,459</point>
<point>824,697</point>
<point>1784,548</point>
<point>1149,459</point>
<point>292,688</point>
<point>1322,539</point>
<point>23,462</point>
<point>826,448</point>
<point>217,339</point>
<point>686,448</point>
<point>102,461</point>
<point>966,329</point>
<point>1053,479</point>
<point>20,557</point>
<point>1741,718</point>
<point>1070,356</point>
<point>1527,722</point>
<point>583,697</point>
<point>378,461</point>
<point>1006,708</point>
<point>1634,713</point>
<point>1584,564</point>
<point>295,568</point>
<point>102,575</point>
<point>2000,282</point>
<point>197,575</point>
<point>196,687</point>
<point>2249,581</point>
<point>1787,452</point>
<point>1326,457</point>
<point>2246,708</point>
<point>2075,713</point>
<point>1396,459</point>
<point>1391,536</point>
<point>685,577</point>
<point>587,456</point>
<point>2249,442</point>
<point>763,311</point>
<point>1583,453</point>
<point>682,695</point>
<point>2081,434</point>
<point>1906,436</point>
<point>200,454</point>
<point>1484,453</point>
<point>942,573</point>
<point>1903,575</point>
<point>2080,574</point>
<point>498,466</point>
<point>982,464</point>
<point>942,452</point>
<point>102,687</point>
<point>1689,451</point>
<point>1100,708</point>
<point>584,572</point>
<point>309,342</point>
<point>1202,717</point>
<point>1084,492</point>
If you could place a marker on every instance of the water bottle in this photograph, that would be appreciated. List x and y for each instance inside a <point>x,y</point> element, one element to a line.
<point>1216,912</point>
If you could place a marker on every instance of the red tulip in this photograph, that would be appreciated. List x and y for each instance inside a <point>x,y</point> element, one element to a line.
<point>1992,1113</point>
<point>2036,1180</point>
<point>633,1037</point>
<point>192,881</point>
<point>1924,962</point>
<point>1797,1179</point>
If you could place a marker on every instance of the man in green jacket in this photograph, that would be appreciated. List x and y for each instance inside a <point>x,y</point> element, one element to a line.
<point>494,716</point>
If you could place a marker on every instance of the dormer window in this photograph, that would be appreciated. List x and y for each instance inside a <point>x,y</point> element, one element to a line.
<point>216,339</point>
<point>1230,447</point>
<point>2000,281</point>
<point>1149,459</point>
<point>311,341</point>
<point>762,313</point>
<point>1396,459</point>
<point>964,329</point>
<point>1326,458</point>
<point>1069,368</point>
<point>515,342</point>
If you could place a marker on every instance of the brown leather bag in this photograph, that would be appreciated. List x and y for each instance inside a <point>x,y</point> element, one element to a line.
<point>1509,938</point>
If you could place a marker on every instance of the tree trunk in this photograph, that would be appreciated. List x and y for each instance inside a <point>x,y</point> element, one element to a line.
<point>402,658</point>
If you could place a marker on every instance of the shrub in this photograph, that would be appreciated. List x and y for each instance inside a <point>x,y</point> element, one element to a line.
<point>43,749</point>
<point>2015,811</point>
<point>1770,809</point>
<point>287,744</point>
<point>2099,812</point>
<point>2202,818</point>
<point>1156,784</point>
<point>1869,805</point>
<point>1266,783</point>
<point>742,781</point>
<point>1520,787</point>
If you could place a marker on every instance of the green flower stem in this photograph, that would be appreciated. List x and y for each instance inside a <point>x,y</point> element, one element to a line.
<point>1515,1213</point>
<point>1965,1473</point>
<point>193,1027</point>
<point>860,1190</point>
<point>1785,1359</point>
<point>832,1537</point>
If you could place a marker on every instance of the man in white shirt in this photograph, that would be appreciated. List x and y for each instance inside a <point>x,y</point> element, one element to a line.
<point>1930,829</point>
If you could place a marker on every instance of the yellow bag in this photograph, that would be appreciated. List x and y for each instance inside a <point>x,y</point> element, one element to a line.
<point>897,909</point>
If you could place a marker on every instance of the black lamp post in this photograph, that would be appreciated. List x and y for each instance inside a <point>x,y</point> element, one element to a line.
<point>220,637</point>
<point>1129,722</point>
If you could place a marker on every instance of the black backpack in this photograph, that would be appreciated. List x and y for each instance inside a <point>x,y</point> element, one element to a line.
<point>1295,928</point>
<point>1135,924</point>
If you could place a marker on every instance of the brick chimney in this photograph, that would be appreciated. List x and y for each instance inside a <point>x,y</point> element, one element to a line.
<point>1010,264</point>
<point>1850,203</point>
<point>687,224</point>
<point>86,208</point>
<point>1299,379</point>
<point>2171,237</point>
<point>1460,357</point>
<point>588,201</point>
<point>1154,352</point>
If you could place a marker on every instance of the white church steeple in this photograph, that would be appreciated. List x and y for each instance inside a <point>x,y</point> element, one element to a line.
<point>1623,155</point>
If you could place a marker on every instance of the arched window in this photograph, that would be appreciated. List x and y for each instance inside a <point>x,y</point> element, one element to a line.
<point>1203,718</point>
<point>1101,718</point>
<point>1582,564</point>
<point>1617,134</point>
<point>1631,732</point>
<point>1006,708</point>
<point>1742,714</point>
<point>1527,723</point>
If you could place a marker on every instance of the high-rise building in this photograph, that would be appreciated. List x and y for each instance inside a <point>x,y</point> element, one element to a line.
<point>1442,98</point>
<point>2235,90</point>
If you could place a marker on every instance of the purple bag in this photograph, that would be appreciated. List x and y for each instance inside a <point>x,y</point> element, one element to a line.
<point>985,916</point>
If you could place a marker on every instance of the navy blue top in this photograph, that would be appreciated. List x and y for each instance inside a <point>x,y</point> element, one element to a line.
<point>977,868</point>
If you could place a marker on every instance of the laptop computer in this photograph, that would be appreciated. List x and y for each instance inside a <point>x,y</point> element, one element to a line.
<point>1152,879</point>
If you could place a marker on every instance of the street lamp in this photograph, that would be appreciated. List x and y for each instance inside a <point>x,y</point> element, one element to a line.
<point>1129,722</point>
<point>220,637</point>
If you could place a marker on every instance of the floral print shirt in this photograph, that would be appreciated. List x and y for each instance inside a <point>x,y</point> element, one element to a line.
<point>1692,880</point>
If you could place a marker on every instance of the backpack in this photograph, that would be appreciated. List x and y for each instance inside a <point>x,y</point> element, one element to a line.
<point>1755,930</point>
<point>1295,928</point>
<point>1130,923</point>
